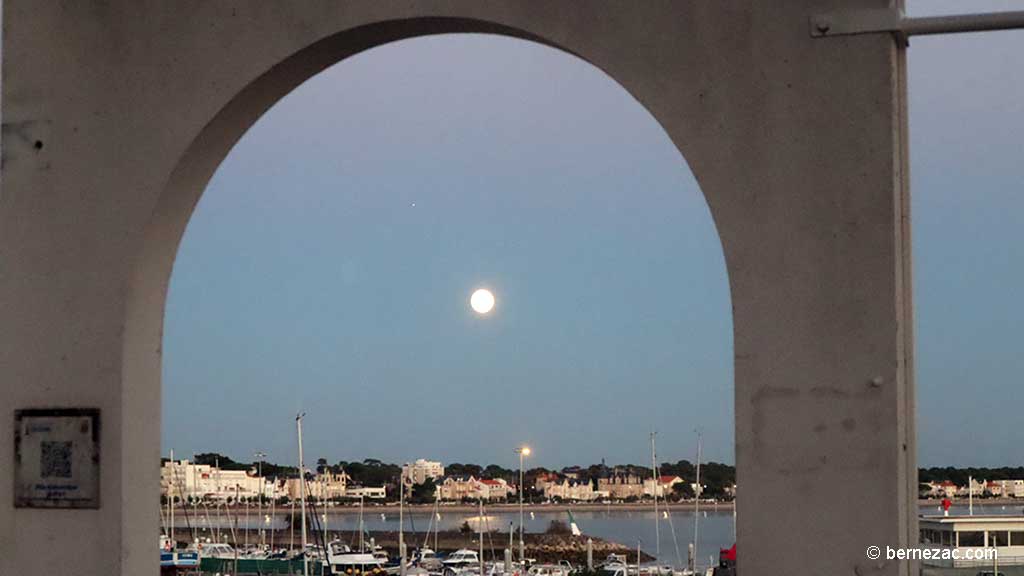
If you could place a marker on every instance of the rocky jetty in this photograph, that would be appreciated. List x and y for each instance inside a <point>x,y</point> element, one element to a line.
<point>544,547</point>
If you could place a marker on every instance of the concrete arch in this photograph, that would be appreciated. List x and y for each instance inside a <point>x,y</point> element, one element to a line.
<point>189,178</point>
<point>111,133</point>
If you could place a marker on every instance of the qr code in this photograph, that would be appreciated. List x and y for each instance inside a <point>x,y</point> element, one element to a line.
<point>55,460</point>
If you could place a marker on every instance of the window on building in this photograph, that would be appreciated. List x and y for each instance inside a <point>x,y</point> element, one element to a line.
<point>947,538</point>
<point>972,538</point>
<point>998,538</point>
<point>1016,538</point>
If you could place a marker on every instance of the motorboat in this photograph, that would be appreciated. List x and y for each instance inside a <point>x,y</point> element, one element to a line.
<point>614,563</point>
<point>428,559</point>
<point>343,560</point>
<point>171,557</point>
<point>461,562</point>
<point>461,558</point>
<point>216,550</point>
<point>562,568</point>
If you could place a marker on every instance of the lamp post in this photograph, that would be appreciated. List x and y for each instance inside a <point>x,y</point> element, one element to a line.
<point>523,451</point>
<point>259,497</point>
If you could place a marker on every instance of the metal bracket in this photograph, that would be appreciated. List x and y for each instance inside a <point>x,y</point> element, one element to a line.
<point>891,20</point>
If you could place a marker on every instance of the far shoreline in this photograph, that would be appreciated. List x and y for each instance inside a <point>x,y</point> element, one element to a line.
<point>370,508</point>
<point>513,507</point>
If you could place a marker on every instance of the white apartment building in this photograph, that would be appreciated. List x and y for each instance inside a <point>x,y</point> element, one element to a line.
<point>185,480</point>
<point>419,471</point>
<point>458,489</point>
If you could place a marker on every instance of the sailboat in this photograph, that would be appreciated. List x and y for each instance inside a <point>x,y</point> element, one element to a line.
<point>426,557</point>
<point>656,479</point>
<point>696,509</point>
<point>170,556</point>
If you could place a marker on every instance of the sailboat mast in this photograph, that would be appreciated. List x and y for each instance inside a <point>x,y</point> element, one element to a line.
<point>273,511</point>
<point>170,499</point>
<point>654,492</point>
<point>480,523</point>
<point>302,485</point>
<point>696,505</point>
<point>401,525</point>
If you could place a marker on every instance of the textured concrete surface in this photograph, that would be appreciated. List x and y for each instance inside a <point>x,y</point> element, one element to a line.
<point>116,113</point>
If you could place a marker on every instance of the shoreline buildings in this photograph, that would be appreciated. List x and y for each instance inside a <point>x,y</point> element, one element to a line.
<point>186,480</point>
<point>459,488</point>
<point>420,471</point>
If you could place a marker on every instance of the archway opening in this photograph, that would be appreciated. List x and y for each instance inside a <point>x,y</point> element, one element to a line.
<point>328,266</point>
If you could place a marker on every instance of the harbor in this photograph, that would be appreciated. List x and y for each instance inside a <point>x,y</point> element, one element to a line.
<point>226,539</point>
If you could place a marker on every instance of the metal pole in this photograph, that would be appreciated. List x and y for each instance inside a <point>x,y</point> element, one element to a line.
<point>696,507</point>
<point>259,510</point>
<point>638,558</point>
<point>480,534</point>
<point>654,492</point>
<point>962,23</point>
<point>401,526</point>
<point>522,488</point>
<point>273,510</point>
<point>842,23</point>
<point>170,499</point>
<point>970,495</point>
<point>302,488</point>
<point>590,554</point>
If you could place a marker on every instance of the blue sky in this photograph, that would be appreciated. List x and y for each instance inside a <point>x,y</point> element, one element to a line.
<point>328,267</point>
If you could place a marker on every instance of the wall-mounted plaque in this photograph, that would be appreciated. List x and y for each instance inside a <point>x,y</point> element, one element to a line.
<point>57,458</point>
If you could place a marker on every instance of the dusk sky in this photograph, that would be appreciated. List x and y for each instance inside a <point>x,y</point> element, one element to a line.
<point>328,266</point>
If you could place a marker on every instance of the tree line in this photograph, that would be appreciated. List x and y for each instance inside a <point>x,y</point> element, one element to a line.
<point>959,476</point>
<point>715,476</point>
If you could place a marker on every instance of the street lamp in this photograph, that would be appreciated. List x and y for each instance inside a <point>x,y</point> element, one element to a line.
<point>523,451</point>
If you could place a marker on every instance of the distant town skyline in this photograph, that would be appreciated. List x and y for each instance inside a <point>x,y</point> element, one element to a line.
<point>329,266</point>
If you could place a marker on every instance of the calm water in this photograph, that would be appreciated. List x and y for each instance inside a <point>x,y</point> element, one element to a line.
<point>626,527</point>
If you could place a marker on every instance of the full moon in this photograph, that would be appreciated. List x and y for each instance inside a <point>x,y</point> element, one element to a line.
<point>482,301</point>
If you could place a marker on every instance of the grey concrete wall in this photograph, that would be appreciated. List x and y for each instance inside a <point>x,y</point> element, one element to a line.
<point>116,113</point>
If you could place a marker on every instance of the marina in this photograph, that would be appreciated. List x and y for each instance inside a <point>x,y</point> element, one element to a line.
<point>234,541</point>
<point>614,529</point>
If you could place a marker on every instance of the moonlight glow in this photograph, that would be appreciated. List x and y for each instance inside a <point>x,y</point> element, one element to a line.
<point>482,301</point>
